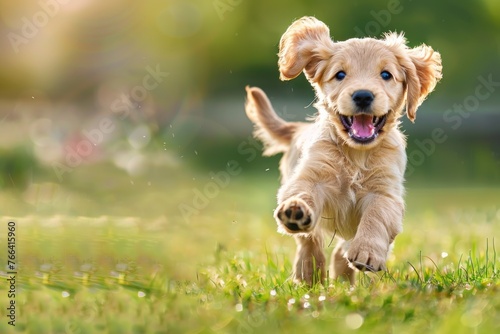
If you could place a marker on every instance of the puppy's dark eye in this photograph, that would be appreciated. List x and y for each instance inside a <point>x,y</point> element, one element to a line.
<point>340,75</point>
<point>386,75</point>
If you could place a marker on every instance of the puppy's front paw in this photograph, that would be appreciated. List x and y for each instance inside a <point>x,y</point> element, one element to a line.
<point>295,215</point>
<point>366,255</point>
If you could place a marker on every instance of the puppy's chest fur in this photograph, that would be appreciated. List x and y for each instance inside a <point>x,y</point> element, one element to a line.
<point>349,179</point>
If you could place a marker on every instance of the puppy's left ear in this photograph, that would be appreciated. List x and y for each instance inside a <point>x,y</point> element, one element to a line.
<point>423,72</point>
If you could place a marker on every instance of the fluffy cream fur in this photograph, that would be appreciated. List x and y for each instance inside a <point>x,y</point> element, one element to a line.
<point>334,182</point>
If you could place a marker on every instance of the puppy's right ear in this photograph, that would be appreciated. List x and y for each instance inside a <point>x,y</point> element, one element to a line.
<point>304,46</point>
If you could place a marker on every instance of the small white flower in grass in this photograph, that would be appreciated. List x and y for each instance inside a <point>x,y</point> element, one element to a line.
<point>65,294</point>
<point>321,298</point>
<point>273,293</point>
<point>354,320</point>
<point>238,307</point>
<point>306,296</point>
<point>290,303</point>
<point>141,294</point>
<point>307,305</point>
<point>444,255</point>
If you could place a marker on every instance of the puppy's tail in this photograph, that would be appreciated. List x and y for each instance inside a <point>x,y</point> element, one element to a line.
<point>274,132</point>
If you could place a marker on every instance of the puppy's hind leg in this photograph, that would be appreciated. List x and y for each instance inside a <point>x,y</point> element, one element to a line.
<point>339,267</point>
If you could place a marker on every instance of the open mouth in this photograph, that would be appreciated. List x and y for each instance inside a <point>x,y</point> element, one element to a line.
<point>363,128</point>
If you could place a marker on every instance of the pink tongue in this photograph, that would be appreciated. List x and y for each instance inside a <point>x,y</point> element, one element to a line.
<point>362,126</point>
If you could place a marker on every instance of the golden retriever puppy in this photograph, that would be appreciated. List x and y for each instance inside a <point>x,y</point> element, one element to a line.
<point>343,173</point>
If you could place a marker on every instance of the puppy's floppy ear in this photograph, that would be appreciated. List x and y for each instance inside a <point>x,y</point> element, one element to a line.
<point>302,47</point>
<point>423,72</point>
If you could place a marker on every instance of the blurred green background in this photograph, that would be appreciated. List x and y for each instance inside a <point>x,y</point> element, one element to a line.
<point>128,165</point>
<point>100,102</point>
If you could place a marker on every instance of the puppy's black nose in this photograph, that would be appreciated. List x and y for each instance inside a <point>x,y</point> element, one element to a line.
<point>363,98</point>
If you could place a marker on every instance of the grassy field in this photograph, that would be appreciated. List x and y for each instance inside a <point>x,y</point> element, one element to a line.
<point>107,253</point>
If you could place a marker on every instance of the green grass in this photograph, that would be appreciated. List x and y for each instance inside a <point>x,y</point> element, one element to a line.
<point>115,256</point>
